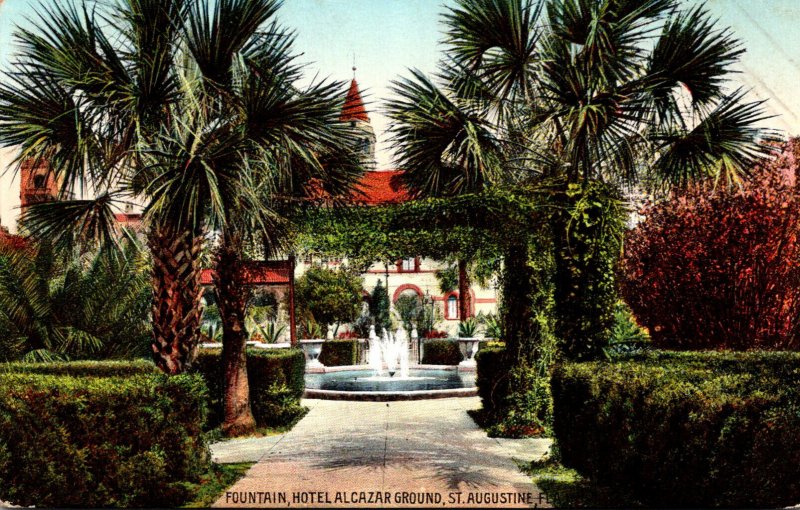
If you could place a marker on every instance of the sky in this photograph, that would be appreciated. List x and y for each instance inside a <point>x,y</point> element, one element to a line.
<point>386,38</point>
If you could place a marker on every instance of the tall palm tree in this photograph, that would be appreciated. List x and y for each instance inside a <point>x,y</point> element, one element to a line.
<point>128,102</point>
<point>296,148</point>
<point>582,90</point>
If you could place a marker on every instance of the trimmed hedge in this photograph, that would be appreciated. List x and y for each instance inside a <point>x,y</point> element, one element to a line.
<point>441,352</point>
<point>276,378</point>
<point>685,429</point>
<point>99,441</point>
<point>492,378</point>
<point>84,368</point>
<point>336,353</point>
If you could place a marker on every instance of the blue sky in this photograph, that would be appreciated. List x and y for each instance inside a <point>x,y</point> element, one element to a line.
<point>389,36</point>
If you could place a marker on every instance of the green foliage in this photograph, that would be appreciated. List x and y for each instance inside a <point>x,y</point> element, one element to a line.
<point>265,304</point>
<point>97,440</point>
<point>361,325</point>
<point>276,379</point>
<point>83,368</point>
<point>566,488</point>
<point>515,400</point>
<point>92,306</point>
<point>269,333</point>
<point>468,328</point>
<point>410,309</point>
<point>329,296</point>
<point>379,307</point>
<point>492,377</point>
<point>262,316</point>
<point>695,429</point>
<point>429,317</point>
<point>311,329</point>
<point>441,352</point>
<point>213,484</point>
<point>439,228</point>
<point>493,327</point>
<point>448,278</point>
<point>627,337</point>
<point>337,353</point>
<point>211,323</point>
<point>211,312</point>
<point>589,228</point>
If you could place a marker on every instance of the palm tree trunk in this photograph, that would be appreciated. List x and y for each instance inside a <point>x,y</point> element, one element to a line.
<point>232,298</point>
<point>176,297</point>
<point>464,297</point>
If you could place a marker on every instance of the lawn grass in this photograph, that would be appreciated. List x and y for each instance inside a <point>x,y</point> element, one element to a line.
<point>565,488</point>
<point>211,487</point>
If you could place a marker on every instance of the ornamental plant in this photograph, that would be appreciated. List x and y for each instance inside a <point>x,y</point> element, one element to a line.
<point>718,268</point>
<point>329,296</point>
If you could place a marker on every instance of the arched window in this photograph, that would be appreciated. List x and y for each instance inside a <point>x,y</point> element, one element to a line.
<point>452,307</point>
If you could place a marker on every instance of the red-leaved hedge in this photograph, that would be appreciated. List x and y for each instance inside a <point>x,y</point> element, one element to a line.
<point>718,268</point>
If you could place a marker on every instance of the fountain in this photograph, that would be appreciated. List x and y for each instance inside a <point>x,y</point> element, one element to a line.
<point>388,375</point>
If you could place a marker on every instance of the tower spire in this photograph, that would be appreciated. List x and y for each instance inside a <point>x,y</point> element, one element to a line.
<point>353,108</point>
<point>355,113</point>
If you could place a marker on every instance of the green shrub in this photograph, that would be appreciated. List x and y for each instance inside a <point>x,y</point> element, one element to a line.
<point>441,352</point>
<point>526,411</point>
<point>132,441</point>
<point>276,379</point>
<point>84,368</point>
<point>337,353</point>
<point>492,377</point>
<point>685,429</point>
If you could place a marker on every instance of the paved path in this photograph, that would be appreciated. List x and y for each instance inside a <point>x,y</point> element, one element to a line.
<point>377,454</point>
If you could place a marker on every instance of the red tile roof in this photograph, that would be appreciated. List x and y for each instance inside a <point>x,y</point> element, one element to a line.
<point>353,105</point>
<point>271,272</point>
<point>382,187</point>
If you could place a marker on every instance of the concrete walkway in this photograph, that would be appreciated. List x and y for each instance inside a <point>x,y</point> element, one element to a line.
<point>377,454</point>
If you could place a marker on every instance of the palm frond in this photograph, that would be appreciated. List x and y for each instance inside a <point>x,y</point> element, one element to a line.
<point>216,30</point>
<point>691,52</point>
<point>151,29</point>
<point>444,147</point>
<point>498,39</point>
<point>41,118</point>
<point>725,145</point>
<point>67,223</point>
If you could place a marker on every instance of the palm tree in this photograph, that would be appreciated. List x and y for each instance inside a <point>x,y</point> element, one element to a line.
<point>580,90</point>
<point>91,306</point>
<point>293,145</point>
<point>446,147</point>
<point>299,149</point>
<point>128,102</point>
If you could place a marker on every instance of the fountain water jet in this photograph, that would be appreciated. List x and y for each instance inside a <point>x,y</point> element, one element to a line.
<point>389,349</point>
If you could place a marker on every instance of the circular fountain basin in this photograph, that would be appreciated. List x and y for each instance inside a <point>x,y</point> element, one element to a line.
<point>361,383</point>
